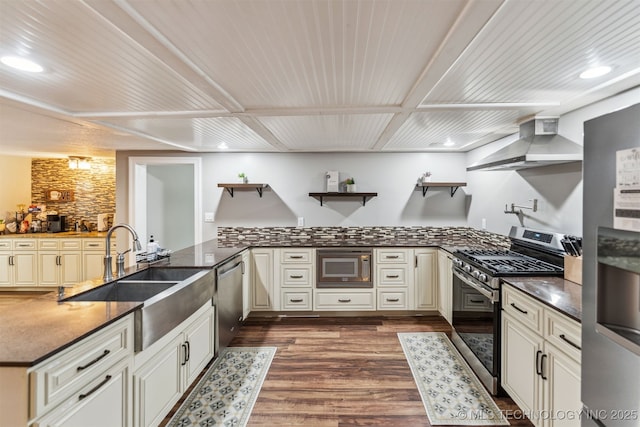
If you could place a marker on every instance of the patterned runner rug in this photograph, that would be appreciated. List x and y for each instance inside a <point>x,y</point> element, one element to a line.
<point>451,393</point>
<point>227,392</point>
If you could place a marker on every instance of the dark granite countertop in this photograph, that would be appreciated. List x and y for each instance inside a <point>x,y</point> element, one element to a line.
<point>560,294</point>
<point>33,330</point>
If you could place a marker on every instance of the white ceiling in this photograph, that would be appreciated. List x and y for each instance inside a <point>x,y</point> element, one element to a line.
<point>301,76</point>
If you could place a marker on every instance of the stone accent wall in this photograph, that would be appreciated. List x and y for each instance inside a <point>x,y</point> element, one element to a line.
<point>94,189</point>
<point>360,236</point>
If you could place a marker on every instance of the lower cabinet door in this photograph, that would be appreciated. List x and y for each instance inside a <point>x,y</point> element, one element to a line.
<point>104,402</point>
<point>521,352</point>
<point>562,389</point>
<point>157,384</point>
<point>200,345</point>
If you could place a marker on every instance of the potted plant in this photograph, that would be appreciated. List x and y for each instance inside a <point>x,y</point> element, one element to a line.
<point>351,185</point>
<point>243,177</point>
<point>426,177</point>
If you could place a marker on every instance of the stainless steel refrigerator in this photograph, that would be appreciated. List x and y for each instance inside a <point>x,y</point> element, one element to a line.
<point>611,273</point>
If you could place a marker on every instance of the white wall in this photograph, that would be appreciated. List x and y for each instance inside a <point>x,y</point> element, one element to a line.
<point>15,183</point>
<point>292,176</point>
<point>558,188</point>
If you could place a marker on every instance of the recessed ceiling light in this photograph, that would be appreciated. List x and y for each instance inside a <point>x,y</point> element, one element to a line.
<point>595,72</point>
<point>22,64</point>
<point>449,143</point>
<point>223,146</point>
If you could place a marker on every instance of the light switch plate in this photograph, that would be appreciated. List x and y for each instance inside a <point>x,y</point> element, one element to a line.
<point>208,217</point>
<point>300,221</point>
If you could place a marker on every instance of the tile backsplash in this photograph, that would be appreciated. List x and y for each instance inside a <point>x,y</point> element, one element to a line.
<point>342,236</point>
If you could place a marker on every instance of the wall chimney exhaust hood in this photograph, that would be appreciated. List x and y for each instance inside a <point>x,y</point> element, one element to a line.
<point>539,145</point>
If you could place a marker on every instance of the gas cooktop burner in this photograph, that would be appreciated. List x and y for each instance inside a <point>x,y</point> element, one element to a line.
<point>507,263</point>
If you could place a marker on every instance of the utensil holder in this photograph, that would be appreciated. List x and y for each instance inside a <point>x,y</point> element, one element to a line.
<point>573,269</point>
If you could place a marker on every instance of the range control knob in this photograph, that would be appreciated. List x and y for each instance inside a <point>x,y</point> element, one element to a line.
<point>458,262</point>
<point>467,268</point>
<point>482,277</point>
<point>475,274</point>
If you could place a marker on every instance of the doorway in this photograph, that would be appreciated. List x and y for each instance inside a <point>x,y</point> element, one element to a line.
<point>165,200</point>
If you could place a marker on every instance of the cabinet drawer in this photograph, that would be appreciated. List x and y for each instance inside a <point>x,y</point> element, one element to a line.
<point>523,308</point>
<point>73,369</point>
<point>5,244</point>
<point>347,300</point>
<point>297,299</point>
<point>392,276</point>
<point>24,244</point>
<point>392,300</point>
<point>296,276</point>
<point>564,333</point>
<point>96,244</point>
<point>70,244</point>
<point>48,244</point>
<point>288,256</point>
<point>397,256</point>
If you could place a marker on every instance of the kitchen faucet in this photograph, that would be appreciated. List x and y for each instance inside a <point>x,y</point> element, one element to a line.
<point>108,272</point>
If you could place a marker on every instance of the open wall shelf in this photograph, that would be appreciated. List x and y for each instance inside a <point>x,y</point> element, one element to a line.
<point>244,187</point>
<point>453,186</point>
<point>321,196</point>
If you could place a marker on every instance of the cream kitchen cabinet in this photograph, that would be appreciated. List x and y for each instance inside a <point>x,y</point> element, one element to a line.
<point>394,278</point>
<point>93,252</point>
<point>164,371</point>
<point>426,279</point>
<point>297,273</point>
<point>344,300</point>
<point>246,284</point>
<point>540,360</point>
<point>106,403</point>
<point>265,288</point>
<point>59,262</point>
<point>445,284</point>
<point>19,258</point>
<point>88,383</point>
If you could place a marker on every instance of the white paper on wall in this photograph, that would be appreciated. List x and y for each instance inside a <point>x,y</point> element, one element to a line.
<point>626,195</point>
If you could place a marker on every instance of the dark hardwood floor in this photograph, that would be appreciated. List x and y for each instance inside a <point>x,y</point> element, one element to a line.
<point>344,371</point>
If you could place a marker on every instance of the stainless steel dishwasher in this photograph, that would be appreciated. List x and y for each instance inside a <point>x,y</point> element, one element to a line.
<point>228,301</point>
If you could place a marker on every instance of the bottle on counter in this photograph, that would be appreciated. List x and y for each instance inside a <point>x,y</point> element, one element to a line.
<point>152,246</point>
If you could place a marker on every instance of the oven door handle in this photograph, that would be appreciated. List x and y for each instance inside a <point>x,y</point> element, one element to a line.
<point>488,294</point>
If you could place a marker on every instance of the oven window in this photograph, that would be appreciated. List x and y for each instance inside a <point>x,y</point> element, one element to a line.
<point>475,320</point>
<point>340,267</point>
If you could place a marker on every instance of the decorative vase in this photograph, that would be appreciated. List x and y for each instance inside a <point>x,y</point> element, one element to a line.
<point>245,180</point>
<point>351,188</point>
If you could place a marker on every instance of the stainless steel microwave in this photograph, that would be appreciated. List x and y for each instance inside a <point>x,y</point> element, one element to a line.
<point>344,268</point>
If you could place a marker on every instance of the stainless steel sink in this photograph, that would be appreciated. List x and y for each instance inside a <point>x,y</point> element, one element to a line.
<point>126,291</point>
<point>169,296</point>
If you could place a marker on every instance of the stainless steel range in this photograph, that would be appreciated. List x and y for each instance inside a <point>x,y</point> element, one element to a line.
<point>476,293</point>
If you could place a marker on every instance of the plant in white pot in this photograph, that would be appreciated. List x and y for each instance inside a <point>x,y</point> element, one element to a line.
<point>351,185</point>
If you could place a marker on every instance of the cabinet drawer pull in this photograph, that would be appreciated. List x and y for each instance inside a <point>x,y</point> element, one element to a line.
<point>568,341</point>
<point>392,256</point>
<point>544,356</point>
<point>11,262</point>
<point>295,256</point>
<point>93,245</point>
<point>393,299</point>
<point>93,390</point>
<point>393,276</point>
<point>184,349</point>
<point>476,301</point>
<point>344,300</point>
<point>94,361</point>
<point>188,350</point>
<point>297,276</point>
<point>295,300</point>
<point>23,245</point>
<point>519,309</point>
<point>538,353</point>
